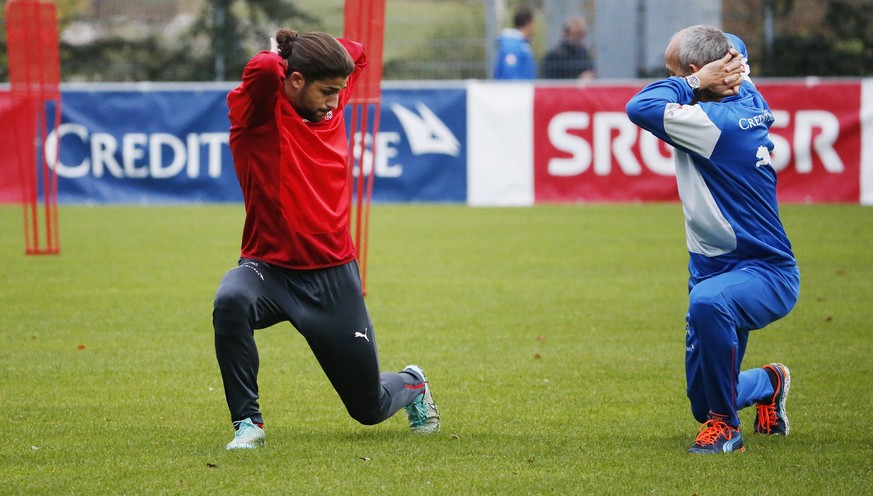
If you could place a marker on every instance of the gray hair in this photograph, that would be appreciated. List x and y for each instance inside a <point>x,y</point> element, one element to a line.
<point>701,44</point>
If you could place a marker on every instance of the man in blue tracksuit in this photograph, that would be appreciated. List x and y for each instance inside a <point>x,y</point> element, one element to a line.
<point>743,274</point>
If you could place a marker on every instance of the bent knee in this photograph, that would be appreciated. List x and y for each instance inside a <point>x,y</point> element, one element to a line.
<point>366,416</point>
<point>233,310</point>
<point>705,304</point>
<point>233,298</point>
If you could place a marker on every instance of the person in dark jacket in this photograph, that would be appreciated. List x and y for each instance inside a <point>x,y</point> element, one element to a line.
<point>570,58</point>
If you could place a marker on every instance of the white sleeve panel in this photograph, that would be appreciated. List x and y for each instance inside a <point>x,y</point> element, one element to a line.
<point>707,232</point>
<point>690,128</point>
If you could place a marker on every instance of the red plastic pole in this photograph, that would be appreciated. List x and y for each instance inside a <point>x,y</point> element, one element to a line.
<point>365,23</point>
<point>34,76</point>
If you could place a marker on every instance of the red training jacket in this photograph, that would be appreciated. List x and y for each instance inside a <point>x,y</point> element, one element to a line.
<point>293,172</point>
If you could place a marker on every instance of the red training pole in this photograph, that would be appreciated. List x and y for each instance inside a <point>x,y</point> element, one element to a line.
<point>365,23</point>
<point>34,76</point>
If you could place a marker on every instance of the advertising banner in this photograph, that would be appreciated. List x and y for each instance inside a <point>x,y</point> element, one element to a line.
<point>171,146</point>
<point>817,134</point>
<point>12,132</point>
<point>420,152</point>
<point>481,142</point>
<point>130,146</point>
<point>867,138</point>
<point>580,146</point>
<point>586,149</point>
<point>500,154</point>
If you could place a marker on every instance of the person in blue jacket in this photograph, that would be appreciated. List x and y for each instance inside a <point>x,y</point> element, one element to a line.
<point>515,59</point>
<point>743,273</point>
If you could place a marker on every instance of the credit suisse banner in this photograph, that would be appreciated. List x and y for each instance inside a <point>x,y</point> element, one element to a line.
<point>162,144</point>
<point>483,143</point>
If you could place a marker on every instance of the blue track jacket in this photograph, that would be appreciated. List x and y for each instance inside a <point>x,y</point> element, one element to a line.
<point>726,182</point>
<point>515,58</point>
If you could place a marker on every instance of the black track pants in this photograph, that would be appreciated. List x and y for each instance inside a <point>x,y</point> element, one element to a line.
<point>327,308</point>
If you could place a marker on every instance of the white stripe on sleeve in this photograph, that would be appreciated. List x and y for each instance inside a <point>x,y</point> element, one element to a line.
<point>690,128</point>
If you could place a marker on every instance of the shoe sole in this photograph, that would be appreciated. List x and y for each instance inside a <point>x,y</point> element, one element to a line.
<point>786,387</point>
<point>784,377</point>
<point>703,452</point>
<point>245,446</point>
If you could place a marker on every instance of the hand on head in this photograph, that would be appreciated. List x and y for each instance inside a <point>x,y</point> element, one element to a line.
<point>723,77</point>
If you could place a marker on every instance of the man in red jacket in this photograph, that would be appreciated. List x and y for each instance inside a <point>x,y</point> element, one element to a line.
<point>298,263</point>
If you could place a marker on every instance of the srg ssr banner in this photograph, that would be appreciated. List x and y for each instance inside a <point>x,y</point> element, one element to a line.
<point>577,145</point>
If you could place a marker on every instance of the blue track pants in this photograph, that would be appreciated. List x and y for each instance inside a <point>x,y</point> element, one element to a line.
<point>722,310</point>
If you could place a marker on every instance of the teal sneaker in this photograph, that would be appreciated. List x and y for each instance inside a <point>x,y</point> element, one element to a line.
<point>716,437</point>
<point>771,418</point>
<point>248,436</point>
<point>424,416</point>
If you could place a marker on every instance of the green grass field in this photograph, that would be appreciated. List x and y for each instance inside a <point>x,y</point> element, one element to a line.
<point>552,336</point>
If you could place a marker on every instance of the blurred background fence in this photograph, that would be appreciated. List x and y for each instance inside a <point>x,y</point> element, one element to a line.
<point>209,40</point>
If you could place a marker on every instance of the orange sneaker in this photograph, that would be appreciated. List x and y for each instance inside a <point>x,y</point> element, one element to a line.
<point>771,417</point>
<point>715,437</point>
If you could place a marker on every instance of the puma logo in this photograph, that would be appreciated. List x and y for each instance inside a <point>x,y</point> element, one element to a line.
<point>362,335</point>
